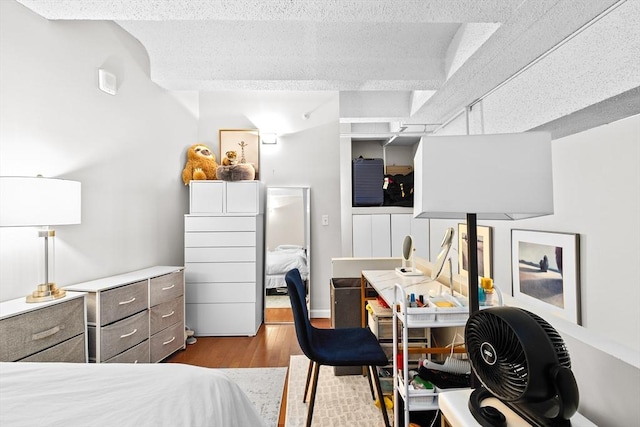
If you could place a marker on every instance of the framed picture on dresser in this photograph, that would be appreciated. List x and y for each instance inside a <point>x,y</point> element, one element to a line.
<point>246,144</point>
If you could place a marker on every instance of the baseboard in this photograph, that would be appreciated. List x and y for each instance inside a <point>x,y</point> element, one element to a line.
<point>320,314</point>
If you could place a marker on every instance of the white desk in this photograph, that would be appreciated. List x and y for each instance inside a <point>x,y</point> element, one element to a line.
<point>383,281</point>
<point>455,408</point>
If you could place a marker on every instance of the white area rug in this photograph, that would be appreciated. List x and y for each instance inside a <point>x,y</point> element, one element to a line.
<point>263,387</point>
<point>340,401</point>
<point>277,301</point>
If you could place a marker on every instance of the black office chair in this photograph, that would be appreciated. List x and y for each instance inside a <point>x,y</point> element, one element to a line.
<point>333,347</point>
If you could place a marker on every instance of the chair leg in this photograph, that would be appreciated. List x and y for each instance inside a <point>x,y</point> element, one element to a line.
<point>306,386</point>
<point>373,396</point>
<point>314,388</point>
<point>383,407</point>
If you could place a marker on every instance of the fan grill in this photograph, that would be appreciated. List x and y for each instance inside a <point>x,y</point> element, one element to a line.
<point>507,375</point>
<point>556,341</point>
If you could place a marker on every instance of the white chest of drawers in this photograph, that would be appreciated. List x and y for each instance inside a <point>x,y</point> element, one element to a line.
<point>136,317</point>
<point>53,331</point>
<point>224,258</point>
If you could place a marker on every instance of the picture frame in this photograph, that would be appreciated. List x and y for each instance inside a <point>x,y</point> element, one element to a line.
<point>546,272</point>
<point>245,142</point>
<point>485,251</point>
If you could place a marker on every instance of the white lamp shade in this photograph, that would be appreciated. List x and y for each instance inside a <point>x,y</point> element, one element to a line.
<point>37,201</point>
<point>497,177</point>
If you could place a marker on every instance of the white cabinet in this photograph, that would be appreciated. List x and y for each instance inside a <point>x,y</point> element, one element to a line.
<point>224,258</point>
<point>381,235</point>
<point>371,236</point>
<point>222,197</point>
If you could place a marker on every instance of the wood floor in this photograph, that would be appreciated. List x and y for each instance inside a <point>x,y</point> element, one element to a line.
<point>271,347</point>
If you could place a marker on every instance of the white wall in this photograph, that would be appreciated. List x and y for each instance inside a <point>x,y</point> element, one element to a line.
<point>307,154</point>
<point>126,150</point>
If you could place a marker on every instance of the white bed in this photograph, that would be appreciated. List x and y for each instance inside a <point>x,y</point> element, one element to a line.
<point>282,259</point>
<point>165,394</point>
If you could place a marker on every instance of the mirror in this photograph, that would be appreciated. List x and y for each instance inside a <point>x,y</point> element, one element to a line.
<point>444,253</point>
<point>287,246</point>
<point>408,250</point>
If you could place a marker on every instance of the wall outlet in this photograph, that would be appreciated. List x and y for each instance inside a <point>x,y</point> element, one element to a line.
<point>325,219</point>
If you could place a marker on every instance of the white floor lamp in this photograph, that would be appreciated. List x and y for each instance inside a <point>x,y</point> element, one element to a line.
<point>486,177</point>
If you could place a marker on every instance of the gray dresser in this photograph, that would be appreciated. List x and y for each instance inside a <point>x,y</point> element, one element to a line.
<point>135,317</point>
<point>52,331</point>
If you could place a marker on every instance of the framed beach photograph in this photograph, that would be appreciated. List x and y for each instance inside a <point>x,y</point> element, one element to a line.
<point>546,271</point>
<point>485,251</point>
<point>246,144</point>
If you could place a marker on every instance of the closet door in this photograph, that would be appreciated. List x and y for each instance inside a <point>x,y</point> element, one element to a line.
<point>381,235</point>
<point>400,227</point>
<point>371,236</point>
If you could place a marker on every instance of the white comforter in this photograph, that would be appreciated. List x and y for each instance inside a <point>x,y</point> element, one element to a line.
<point>120,395</point>
<point>283,259</point>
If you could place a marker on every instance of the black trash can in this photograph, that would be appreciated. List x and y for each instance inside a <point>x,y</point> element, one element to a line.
<point>346,312</point>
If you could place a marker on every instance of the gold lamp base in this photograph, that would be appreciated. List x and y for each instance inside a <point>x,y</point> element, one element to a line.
<point>46,292</point>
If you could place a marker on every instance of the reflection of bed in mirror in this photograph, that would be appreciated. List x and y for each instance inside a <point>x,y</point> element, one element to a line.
<point>282,259</point>
<point>287,243</point>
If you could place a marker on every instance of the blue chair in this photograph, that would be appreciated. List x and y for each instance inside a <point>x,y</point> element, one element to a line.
<point>333,347</point>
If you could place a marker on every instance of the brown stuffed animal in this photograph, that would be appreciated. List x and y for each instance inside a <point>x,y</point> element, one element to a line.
<point>231,158</point>
<point>201,164</point>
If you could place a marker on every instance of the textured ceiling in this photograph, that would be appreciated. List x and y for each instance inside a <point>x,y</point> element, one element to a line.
<point>417,61</point>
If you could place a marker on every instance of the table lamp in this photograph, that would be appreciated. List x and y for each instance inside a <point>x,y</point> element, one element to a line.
<point>488,177</point>
<point>40,202</point>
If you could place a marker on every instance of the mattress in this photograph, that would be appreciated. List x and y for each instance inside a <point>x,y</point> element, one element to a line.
<point>165,394</point>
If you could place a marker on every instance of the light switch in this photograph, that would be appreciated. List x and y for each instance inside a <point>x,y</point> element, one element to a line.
<point>325,219</point>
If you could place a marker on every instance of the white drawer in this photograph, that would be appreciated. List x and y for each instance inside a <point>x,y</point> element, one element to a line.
<point>220,292</point>
<point>199,272</point>
<point>220,239</point>
<point>239,254</point>
<point>223,319</point>
<point>219,223</point>
<point>165,288</point>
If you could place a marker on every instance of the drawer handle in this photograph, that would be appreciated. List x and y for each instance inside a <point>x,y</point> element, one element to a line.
<point>164,316</point>
<point>169,287</point>
<point>47,333</point>
<point>129,334</point>
<point>169,342</point>
<point>127,302</point>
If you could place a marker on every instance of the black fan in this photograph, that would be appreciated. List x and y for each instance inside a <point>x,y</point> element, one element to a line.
<point>523,361</point>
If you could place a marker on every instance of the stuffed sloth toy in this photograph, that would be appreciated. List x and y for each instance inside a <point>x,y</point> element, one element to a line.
<point>201,164</point>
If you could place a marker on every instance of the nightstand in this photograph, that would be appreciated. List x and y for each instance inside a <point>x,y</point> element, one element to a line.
<point>52,331</point>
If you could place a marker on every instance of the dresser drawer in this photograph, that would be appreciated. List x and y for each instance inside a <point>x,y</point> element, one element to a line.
<point>166,314</point>
<point>220,239</point>
<point>71,350</point>
<point>167,341</point>
<point>165,288</point>
<point>224,319</point>
<point>198,272</point>
<point>118,303</point>
<point>235,254</point>
<point>220,292</point>
<point>219,223</point>
<point>119,336</point>
<point>31,332</point>
<point>136,354</point>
